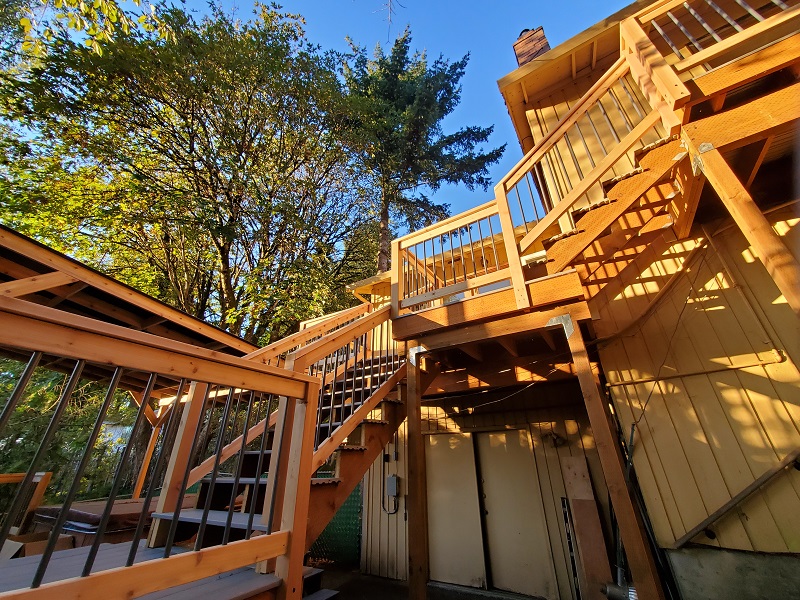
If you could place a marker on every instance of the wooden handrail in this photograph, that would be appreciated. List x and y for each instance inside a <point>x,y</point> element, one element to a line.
<point>335,340</point>
<point>473,214</point>
<point>55,332</point>
<point>535,154</point>
<point>302,337</point>
<point>591,179</point>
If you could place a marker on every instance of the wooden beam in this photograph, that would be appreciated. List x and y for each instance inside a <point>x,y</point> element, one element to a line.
<point>418,557</point>
<point>53,331</point>
<point>685,204</point>
<point>150,576</point>
<point>520,290</point>
<point>531,321</point>
<point>510,345</point>
<point>769,247</point>
<point>768,475</point>
<point>178,459</point>
<point>289,566</point>
<point>631,525</point>
<point>594,569</point>
<point>755,159</point>
<point>747,69</point>
<point>302,337</point>
<point>333,341</point>
<point>37,283</point>
<point>59,262</point>
<point>148,455</point>
<point>750,122</point>
<point>149,413</point>
<point>522,370</point>
<point>547,290</point>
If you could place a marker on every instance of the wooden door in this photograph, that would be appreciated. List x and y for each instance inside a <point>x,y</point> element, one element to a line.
<point>519,556</point>
<point>454,525</point>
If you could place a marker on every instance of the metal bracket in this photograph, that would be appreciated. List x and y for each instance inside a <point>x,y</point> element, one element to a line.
<point>565,321</point>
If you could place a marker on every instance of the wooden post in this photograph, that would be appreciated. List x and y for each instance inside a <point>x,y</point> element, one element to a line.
<point>289,566</point>
<point>631,525</point>
<point>148,455</point>
<point>512,250</point>
<point>181,454</point>
<point>418,567</point>
<point>780,263</point>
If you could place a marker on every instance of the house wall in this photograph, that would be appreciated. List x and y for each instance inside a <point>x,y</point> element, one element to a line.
<point>556,419</point>
<point>729,409</point>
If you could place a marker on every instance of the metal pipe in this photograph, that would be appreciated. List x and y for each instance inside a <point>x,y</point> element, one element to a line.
<point>19,390</point>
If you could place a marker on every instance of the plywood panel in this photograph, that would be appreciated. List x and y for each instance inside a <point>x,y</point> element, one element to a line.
<point>454,527</point>
<point>516,532</point>
<point>719,419</point>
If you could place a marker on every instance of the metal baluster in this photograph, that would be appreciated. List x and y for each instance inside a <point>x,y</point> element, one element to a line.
<point>41,451</point>
<point>76,481</point>
<point>685,31</point>
<point>19,390</point>
<point>356,348</point>
<point>608,121</point>
<point>702,22</point>
<point>237,478</point>
<point>123,463</point>
<point>220,444</point>
<point>472,249</point>
<point>556,183</point>
<point>557,152</point>
<point>724,15</point>
<point>207,430</point>
<point>173,525</point>
<point>363,370</point>
<point>596,133</point>
<point>632,97</point>
<point>259,468</point>
<point>781,5</point>
<point>461,250</point>
<point>167,440</point>
<point>528,177</point>
<point>667,39</point>
<point>749,9</point>
<point>541,190</point>
<point>425,262</point>
<point>521,210</point>
<point>444,267</point>
<point>620,110</point>
<point>494,245</point>
<point>483,250</point>
<point>317,441</point>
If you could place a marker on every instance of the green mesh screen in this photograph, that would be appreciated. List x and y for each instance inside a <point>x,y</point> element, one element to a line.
<point>341,540</point>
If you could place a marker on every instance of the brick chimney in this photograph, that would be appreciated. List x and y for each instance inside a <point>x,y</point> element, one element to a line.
<point>530,44</point>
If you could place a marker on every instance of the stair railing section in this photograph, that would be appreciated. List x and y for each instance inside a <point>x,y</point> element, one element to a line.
<point>559,165</point>
<point>223,394</point>
<point>452,258</point>
<point>276,353</point>
<point>695,36</point>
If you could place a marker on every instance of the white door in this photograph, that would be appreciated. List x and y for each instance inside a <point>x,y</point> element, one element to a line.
<point>454,527</point>
<point>516,533</point>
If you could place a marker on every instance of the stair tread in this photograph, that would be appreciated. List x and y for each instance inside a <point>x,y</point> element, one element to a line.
<point>322,595</point>
<point>326,481</point>
<point>216,518</point>
<point>235,585</point>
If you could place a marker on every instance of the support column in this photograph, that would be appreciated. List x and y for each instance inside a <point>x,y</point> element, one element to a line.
<point>289,566</point>
<point>181,455</point>
<point>780,263</point>
<point>418,567</point>
<point>631,525</point>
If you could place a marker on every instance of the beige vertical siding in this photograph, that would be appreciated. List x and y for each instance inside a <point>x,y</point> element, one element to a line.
<point>384,536</point>
<point>725,404</point>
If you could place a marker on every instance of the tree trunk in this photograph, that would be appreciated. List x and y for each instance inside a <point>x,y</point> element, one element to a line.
<point>385,240</point>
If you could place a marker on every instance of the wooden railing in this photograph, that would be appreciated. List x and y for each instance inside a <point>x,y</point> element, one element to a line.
<point>224,393</point>
<point>564,169</point>
<point>673,41</point>
<point>456,256</point>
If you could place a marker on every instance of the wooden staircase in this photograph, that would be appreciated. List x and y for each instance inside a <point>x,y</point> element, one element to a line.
<point>649,190</point>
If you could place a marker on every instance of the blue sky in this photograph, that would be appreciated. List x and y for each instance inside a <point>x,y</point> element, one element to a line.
<point>485,29</point>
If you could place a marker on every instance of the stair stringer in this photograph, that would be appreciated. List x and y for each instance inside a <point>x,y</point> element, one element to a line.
<point>658,164</point>
<point>351,468</point>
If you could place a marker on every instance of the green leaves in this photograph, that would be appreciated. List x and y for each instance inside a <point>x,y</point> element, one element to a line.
<point>398,102</point>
